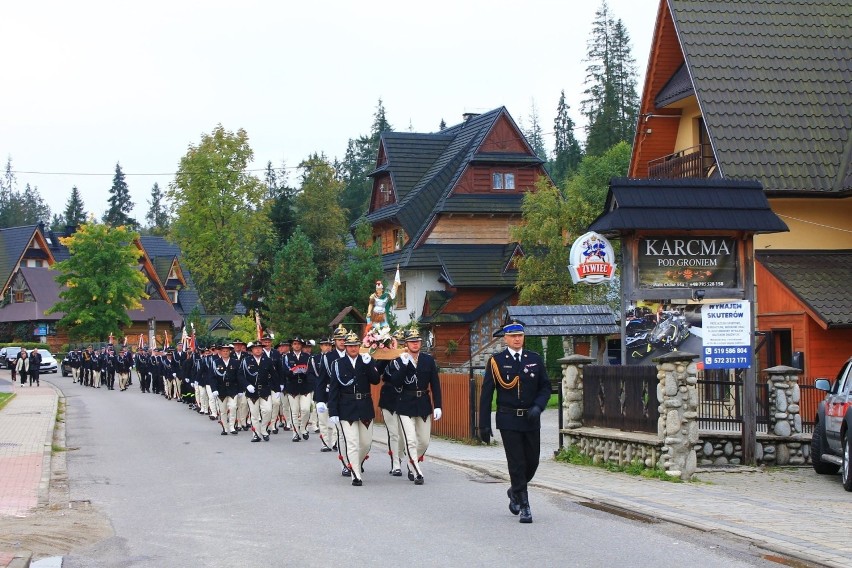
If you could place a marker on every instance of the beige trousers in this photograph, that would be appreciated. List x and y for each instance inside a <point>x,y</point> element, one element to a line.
<point>213,401</point>
<point>261,413</point>
<point>416,433</point>
<point>357,440</point>
<point>328,433</point>
<point>300,411</point>
<point>201,399</point>
<point>396,445</point>
<point>276,408</point>
<point>228,413</point>
<point>123,378</point>
<point>242,410</point>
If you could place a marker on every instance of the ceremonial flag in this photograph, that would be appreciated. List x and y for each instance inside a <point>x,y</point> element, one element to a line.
<point>167,343</point>
<point>257,324</point>
<point>125,342</point>
<point>192,341</point>
<point>397,280</point>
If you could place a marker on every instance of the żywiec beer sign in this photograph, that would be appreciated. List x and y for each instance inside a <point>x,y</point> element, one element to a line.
<point>592,259</point>
<point>684,262</point>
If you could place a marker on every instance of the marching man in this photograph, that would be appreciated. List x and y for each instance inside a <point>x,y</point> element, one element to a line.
<point>350,404</point>
<point>328,432</point>
<point>299,388</point>
<point>256,377</point>
<point>225,386</point>
<point>417,376</point>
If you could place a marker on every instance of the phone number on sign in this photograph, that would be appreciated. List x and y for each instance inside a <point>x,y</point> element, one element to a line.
<point>725,350</point>
<point>726,360</point>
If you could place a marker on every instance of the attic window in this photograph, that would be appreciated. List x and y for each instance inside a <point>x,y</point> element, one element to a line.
<point>19,296</point>
<point>502,180</point>
<point>384,192</point>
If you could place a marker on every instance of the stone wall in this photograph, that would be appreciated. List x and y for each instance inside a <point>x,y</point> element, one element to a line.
<point>724,448</point>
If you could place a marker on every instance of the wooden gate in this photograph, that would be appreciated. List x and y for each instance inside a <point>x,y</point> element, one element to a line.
<point>622,397</point>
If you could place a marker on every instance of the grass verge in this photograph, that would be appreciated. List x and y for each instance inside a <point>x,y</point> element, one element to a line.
<point>570,454</point>
<point>5,397</point>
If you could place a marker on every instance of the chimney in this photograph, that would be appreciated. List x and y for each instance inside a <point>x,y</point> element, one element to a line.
<point>468,115</point>
<point>70,230</point>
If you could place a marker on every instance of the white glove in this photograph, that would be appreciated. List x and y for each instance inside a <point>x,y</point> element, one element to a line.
<point>436,415</point>
<point>186,381</point>
<point>250,388</point>
<point>195,384</point>
<point>365,357</point>
<point>406,358</point>
<point>276,395</point>
<point>215,393</point>
<point>334,420</point>
<point>282,387</point>
<point>322,408</point>
<point>174,375</point>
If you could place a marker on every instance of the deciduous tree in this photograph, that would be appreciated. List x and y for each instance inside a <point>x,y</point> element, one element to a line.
<point>102,281</point>
<point>217,218</point>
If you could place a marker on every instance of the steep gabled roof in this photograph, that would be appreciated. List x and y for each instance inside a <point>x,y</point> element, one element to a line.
<point>686,204</point>
<point>820,279</point>
<point>159,247</point>
<point>773,81</point>
<point>410,155</point>
<point>13,244</point>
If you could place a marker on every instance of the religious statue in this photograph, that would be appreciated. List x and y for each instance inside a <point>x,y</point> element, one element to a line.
<point>379,303</point>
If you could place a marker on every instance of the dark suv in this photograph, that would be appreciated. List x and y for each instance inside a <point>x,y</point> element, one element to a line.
<point>831,444</point>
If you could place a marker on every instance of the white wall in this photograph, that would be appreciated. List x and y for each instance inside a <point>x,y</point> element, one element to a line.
<point>417,283</point>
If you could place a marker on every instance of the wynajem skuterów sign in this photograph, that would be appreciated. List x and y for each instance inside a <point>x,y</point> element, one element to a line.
<point>591,260</point>
<point>687,262</point>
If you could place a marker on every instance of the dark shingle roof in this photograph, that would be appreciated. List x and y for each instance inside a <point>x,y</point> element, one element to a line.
<point>157,248</point>
<point>13,243</point>
<point>410,155</point>
<point>565,320</point>
<point>820,279</point>
<point>687,204</point>
<point>773,80</point>
<point>439,316</point>
<point>679,87</point>
<point>45,290</point>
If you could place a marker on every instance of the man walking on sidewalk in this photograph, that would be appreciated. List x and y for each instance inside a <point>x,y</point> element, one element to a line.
<point>35,366</point>
<point>523,389</point>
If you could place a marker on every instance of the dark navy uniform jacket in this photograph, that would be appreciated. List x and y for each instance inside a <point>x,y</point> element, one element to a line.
<point>258,374</point>
<point>222,377</point>
<point>420,386</point>
<point>322,387</point>
<point>349,389</point>
<point>532,389</point>
<point>296,366</point>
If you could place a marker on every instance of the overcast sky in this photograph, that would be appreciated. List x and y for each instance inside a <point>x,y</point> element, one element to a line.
<point>88,84</point>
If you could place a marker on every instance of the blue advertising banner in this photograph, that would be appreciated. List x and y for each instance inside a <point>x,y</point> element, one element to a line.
<point>727,335</point>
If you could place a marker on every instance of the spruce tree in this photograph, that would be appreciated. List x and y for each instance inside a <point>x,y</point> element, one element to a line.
<point>534,134</point>
<point>75,211</point>
<point>119,201</point>
<point>566,152</point>
<point>158,214</point>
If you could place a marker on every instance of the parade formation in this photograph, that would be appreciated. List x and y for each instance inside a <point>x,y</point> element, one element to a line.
<point>265,389</point>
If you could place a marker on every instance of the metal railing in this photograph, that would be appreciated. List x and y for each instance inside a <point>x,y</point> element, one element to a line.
<point>695,162</point>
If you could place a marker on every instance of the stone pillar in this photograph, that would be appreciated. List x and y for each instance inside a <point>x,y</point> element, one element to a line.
<point>785,419</point>
<point>572,389</point>
<point>678,424</point>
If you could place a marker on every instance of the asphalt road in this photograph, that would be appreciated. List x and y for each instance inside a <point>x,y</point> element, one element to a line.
<point>179,494</point>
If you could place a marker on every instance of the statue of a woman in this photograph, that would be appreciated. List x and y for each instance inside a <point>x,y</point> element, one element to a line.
<point>379,304</point>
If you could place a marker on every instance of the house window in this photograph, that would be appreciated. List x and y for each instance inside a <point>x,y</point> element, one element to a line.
<point>502,180</point>
<point>173,294</point>
<point>400,302</point>
<point>19,296</point>
<point>398,239</point>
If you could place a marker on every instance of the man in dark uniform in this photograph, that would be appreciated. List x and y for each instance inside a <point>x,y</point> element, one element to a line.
<point>417,376</point>
<point>111,361</point>
<point>226,387</point>
<point>523,389</point>
<point>76,361</point>
<point>87,366</point>
<point>328,432</point>
<point>299,388</point>
<point>388,398</point>
<point>256,372</point>
<point>143,361</point>
<point>351,406</point>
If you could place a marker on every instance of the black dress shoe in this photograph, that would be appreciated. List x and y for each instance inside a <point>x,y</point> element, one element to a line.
<point>256,438</point>
<point>305,436</point>
<point>234,432</point>
<point>418,480</point>
<point>345,472</point>
<point>285,428</point>
<point>357,482</point>
<point>396,472</point>
<point>325,449</point>
<point>212,417</point>
<point>334,448</point>
<point>223,433</point>
<point>275,430</point>
<point>410,476</point>
<point>296,438</point>
<point>266,437</point>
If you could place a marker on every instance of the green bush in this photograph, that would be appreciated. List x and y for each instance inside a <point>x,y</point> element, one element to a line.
<point>572,455</point>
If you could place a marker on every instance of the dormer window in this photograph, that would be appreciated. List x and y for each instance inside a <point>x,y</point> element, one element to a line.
<point>384,192</point>
<point>503,180</point>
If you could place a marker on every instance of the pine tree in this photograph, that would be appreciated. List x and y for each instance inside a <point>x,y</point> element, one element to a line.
<point>611,102</point>
<point>566,152</point>
<point>57,224</point>
<point>295,304</point>
<point>8,186</point>
<point>75,211</point>
<point>534,134</point>
<point>29,207</point>
<point>158,214</point>
<point>120,204</point>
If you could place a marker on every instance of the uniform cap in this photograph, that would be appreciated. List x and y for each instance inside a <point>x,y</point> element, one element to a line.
<point>253,344</point>
<point>326,341</point>
<point>413,335</point>
<point>513,328</point>
<point>341,332</point>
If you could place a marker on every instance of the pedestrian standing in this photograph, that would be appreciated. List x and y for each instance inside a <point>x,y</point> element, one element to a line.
<point>22,365</point>
<point>520,380</point>
<point>35,366</point>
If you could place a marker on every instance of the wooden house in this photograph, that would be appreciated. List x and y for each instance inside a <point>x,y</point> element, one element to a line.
<point>763,91</point>
<point>442,207</point>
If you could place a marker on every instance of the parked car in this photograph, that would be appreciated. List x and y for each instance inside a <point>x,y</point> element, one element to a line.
<point>48,362</point>
<point>66,365</point>
<point>831,443</point>
<point>10,355</point>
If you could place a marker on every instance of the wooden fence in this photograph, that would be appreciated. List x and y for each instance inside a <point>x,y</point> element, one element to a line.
<point>623,397</point>
<point>457,410</point>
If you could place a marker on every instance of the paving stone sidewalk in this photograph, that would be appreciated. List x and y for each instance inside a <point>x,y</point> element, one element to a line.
<point>790,511</point>
<point>26,436</point>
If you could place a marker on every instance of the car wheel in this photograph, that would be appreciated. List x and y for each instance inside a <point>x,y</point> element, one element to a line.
<point>847,474</point>
<point>821,467</point>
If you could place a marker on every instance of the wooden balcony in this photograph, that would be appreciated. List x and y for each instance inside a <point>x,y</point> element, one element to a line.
<point>695,162</point>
